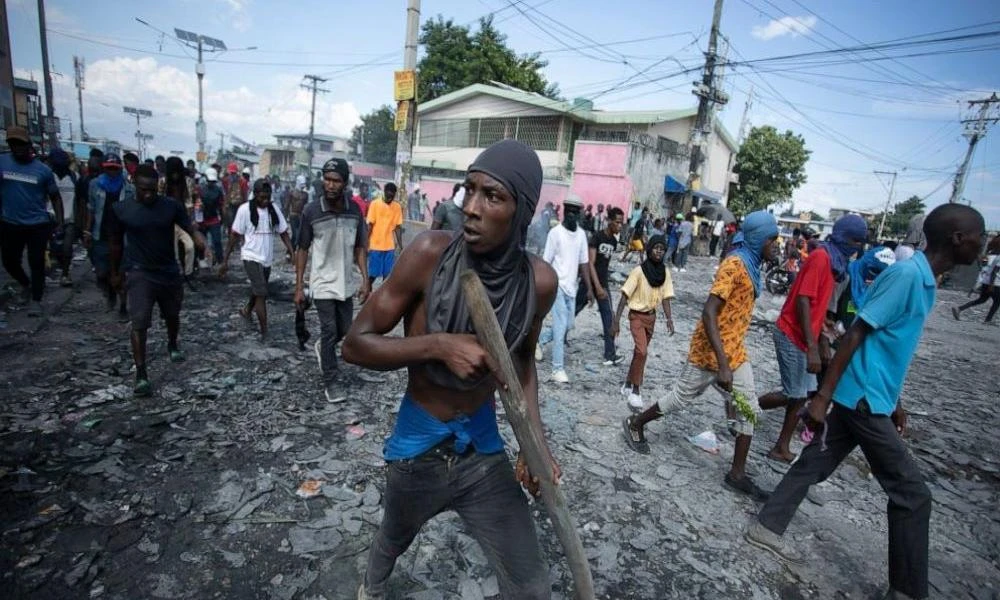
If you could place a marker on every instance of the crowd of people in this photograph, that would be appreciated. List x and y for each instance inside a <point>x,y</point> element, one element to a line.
<point>843,341</point>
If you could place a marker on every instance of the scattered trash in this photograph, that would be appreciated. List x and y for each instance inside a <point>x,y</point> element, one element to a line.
<point>707,441</point>
<point>310,488</point>
<point>355,432</point>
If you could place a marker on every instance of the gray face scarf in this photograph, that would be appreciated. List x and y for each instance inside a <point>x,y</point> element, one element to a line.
<point>506,272</point>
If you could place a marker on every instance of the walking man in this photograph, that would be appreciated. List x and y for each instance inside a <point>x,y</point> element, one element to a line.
<point>257,225</point>
<point>66,180</point>
<point>566,251</point>
<point>297,200</point>
<point>144,227</point>
<point>718,354</point>
<point>446,452</point>
<point>385,233</point>
<point>685,235</point>
<point>26,185</point>
<point>602,246</point>
<point>333,239</point>
<point>211,210</point>
<point>448,215</point>
<point>107,190</point>
<point>863,384</point>
<point>796,336</point>
<point>987,281</point>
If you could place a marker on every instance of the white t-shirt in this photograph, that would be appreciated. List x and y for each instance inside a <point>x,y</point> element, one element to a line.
<point>258,243</point>
<point>987,270</point>
<point>717,228</point>
<point>67,190</point>
<point>566,250</point>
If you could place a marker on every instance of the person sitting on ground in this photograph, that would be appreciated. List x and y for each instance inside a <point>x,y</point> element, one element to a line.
<point>257,225</point>
<point>718,354</point>
<point>142,231</point>
<point>445,452</point>
<point>863,384</point>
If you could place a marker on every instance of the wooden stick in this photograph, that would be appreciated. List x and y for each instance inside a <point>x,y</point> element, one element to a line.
<point>529,437</point>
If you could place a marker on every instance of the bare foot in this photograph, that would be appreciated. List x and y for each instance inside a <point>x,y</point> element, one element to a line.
<point>783,456</point>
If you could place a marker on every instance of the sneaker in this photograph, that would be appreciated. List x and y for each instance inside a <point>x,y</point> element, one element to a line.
<point>177,356</point>
<point>625,389</point>
<point>142,388</point>
<point>35,308</point>
<point>538,353</point>
<point>956,313</point>
<point>683,270</point>
<point>66,281</point>
<point>635,400</point>
<point>330,391</point>
<point>560,376</point>
<point>765,539</point>
<point>613,361</point>
<point>745,485</point>
<point>318,348</point>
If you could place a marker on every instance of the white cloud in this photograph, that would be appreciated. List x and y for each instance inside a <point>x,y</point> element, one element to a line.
<point>238,14</point>
<point>793,26</point>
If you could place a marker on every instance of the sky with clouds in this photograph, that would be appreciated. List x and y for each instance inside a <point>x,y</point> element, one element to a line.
<point>891,114</point>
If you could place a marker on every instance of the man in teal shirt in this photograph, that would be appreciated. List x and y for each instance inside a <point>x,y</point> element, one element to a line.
<point>863,381</point>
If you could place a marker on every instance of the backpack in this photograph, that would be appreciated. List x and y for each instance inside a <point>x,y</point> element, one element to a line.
<point>234,195</point>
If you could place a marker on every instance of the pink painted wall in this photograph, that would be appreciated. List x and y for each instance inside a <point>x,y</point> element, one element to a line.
<point>600,174</point>
<point>373,170</point>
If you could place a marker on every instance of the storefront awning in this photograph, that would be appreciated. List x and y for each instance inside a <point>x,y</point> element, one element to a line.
<point>672,186</point>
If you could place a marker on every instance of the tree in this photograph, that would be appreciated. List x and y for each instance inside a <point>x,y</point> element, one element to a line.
<point>374,139</point>
<point>770,166</point>
<point>897,221</point>
<point>456,58</point>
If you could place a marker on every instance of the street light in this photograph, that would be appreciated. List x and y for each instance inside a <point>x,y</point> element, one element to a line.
<point>140,137</point>
<point>202,43</point>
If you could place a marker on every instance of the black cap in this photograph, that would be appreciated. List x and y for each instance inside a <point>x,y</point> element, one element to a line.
<point>338,165</point>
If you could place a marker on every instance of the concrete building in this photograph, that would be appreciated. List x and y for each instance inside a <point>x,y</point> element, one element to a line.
<point>608,157</point>
<point>836,213</point>
<point>6,73</point>
<point>290,153</point>
<point>28,108</point>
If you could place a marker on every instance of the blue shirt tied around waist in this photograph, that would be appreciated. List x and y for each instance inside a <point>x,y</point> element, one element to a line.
<point>417,431</point>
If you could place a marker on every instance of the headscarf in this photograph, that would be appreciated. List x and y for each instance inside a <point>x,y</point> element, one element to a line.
<point>848,228</point>
<point>111,185</point>
<point>654,270</point>
<point>866,268</point>
<point>506,273</point>
<point>272,214</point>
<point>758,228</point>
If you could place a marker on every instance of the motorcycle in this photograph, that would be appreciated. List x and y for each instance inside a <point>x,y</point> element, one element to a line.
<point>777,278</point>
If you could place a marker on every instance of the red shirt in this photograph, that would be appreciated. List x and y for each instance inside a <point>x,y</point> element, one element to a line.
<point>814,281</point>
<point>362,205</point>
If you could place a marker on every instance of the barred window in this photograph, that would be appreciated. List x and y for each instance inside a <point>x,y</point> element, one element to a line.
<point>451,133</point>
<point>603,135</point>
<point>541,133</point>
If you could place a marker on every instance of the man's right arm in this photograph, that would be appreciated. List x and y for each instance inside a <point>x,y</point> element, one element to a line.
<point>599,292</point>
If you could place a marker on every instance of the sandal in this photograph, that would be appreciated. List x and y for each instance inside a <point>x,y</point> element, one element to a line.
<point>635,439</point>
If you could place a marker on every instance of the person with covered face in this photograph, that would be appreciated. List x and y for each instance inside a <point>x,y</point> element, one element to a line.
<point>566,250</point>
<point>445,452</point>
<point>111,187</point>
<point>257,223</point>
<point>647,287</point>
<point>718,354</point>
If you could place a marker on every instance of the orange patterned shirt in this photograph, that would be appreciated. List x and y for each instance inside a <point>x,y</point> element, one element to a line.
<point>733,285</point>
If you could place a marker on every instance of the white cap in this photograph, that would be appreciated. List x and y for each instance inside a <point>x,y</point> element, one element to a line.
<point>211,174</point>
<point>246,170</point>
<point>300,181</point>
<point>573,200</point>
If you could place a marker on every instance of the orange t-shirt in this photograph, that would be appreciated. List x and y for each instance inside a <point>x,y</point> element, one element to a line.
<point>384,217</point>
<point>733,285</point>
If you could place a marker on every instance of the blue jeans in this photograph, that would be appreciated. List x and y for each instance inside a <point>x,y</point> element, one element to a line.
<point>563,312</point>
<point>607,316</point>
<point>681,257</point>
<point>214,234</point>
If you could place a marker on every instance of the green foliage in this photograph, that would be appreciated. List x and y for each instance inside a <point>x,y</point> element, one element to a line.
<point>379,139</point>
<point>456,58</point>
<point>770,166</point>
<point>898,219</point>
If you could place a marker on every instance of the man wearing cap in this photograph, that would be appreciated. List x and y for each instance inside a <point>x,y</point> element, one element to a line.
<point>332,236</point>
<point>25,186</point>
<point>109,188</point>
<point>59,162</point>
<point>445,452</point>
<point>566,250</point>
<point>414,212</point>
<point>210,197</point>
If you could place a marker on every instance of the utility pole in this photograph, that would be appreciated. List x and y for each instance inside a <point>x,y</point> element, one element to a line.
<point>708,97</point>
<point>78,73</point>
<point>975,130</point>
<point>222,145</point>
<point>140,137</point>
<point>315,80</point>
<point>404,139</point>
<point>50,130</point>
<point>744,122</point>
<point>888,201</point>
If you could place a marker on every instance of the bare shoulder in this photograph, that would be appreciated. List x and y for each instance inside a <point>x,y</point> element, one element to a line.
<point>546,280</point>
<point>421,256</point>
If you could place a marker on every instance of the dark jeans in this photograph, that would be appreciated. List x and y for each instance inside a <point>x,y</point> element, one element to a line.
<point>713,245</point>
<point>909,507</point>
<point>985,296</point>
<point>214,234</point>
<point>483,491</point>
<point>13,240</point>
<point>607,316</point>
<point>294,222</point>
<point>335,318</point>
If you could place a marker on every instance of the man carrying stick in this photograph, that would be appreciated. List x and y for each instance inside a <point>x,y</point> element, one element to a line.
<point>446,452</point>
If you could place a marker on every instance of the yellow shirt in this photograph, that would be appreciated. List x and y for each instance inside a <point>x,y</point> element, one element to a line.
<point>733,285</point>
<point>643,297</point>
<point>384,217</point>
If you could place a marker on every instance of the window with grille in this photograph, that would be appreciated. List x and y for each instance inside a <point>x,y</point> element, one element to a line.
<point>451,133</point>
<point>541,133</point>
